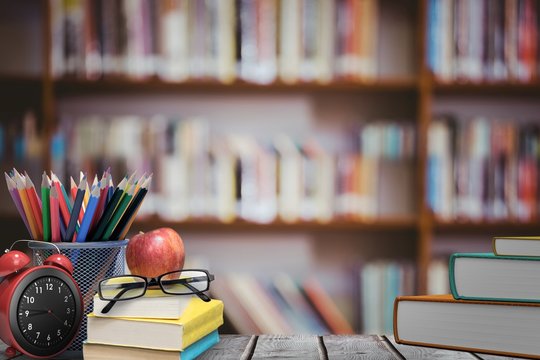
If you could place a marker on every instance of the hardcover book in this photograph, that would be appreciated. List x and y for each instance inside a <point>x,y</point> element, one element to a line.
<point>93,351</point>
<point>500,328</point>
<point>485,276</point>
<point>198,320</point>
<point>517,246</point>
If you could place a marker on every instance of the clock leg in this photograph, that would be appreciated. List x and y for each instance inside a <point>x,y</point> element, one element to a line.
<point>10,352</point>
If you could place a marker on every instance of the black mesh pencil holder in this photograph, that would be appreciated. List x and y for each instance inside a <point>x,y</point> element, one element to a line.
<point>92,262</point>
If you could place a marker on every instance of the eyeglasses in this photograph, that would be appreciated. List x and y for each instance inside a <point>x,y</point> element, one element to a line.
<point>180,282</point>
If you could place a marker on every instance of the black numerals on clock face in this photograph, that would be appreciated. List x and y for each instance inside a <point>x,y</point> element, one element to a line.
<point>46,311</point>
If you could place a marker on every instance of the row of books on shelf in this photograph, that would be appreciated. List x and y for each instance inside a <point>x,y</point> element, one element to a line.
<point>155,326</point>
<point>255,40</point>
<point>493,306</point>
<point>483,40</point>
<point>483,169</point>
<point>202,174</point>
<point>338,301</point>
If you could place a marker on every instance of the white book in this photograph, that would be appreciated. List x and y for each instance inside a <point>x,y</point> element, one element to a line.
<point>174,42</point>
<point>517,246</point>
<point>154,304</point>
<point>226,62</point>
<point>290,45</point>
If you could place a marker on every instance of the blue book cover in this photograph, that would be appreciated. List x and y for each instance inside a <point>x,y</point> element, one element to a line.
<point>200,346</point>
<point>432,29</point>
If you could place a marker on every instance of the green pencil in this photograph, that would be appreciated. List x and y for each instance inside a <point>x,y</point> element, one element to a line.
<point>101,226</point>
<point>46,206</point>
<point>126,199</point>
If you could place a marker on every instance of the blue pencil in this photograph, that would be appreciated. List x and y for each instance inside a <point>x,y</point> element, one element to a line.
<point>110,191</point>
<point>89,214</point>
<point>77,202</point>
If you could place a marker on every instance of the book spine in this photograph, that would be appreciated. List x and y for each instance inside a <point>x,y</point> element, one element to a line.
<point>452,277</point>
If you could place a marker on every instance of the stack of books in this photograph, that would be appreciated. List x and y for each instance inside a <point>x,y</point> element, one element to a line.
<point>153,327</point>
<point>494,306</point>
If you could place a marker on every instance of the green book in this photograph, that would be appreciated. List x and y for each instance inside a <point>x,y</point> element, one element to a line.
<point>486,276</point>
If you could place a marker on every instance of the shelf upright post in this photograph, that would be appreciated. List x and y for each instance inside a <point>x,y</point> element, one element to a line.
<point>425,228</point>
<point>47,92</point>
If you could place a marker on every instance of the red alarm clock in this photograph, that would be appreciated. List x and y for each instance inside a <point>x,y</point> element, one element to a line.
<point>40,306</point>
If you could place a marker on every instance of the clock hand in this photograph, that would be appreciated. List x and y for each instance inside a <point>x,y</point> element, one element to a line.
<point>55,316</point>
<point>36,312</point>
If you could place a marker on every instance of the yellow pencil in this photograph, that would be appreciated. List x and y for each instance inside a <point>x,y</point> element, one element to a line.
<point>21,188</point>
<point>130,181</point>
<point>139,183</point>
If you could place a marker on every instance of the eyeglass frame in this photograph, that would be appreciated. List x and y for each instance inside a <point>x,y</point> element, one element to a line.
<point>153,282</point>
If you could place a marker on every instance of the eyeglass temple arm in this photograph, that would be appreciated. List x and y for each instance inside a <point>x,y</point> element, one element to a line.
<point>197,292</point>
<point>111,303</point>
<point>185,280</point>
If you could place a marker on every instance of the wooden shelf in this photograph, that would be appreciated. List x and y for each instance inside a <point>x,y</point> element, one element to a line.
<point>73,86</point>
<point>385,225</point>
<point>501,227</point>
<point>503,88</point>
<point>17,85</point>
<point>21,80</point>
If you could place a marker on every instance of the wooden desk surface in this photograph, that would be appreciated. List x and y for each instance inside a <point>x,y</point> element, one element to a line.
<point>316,347</point>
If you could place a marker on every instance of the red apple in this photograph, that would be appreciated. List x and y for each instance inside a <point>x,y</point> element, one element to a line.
<point>156,252</point>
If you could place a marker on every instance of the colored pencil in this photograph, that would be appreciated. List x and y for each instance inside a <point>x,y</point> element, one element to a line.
<point>110,190</point>
<point>55,215</point>
<point>64,194</point>
<point>21,189</point>
<point>86,194</point>
<point>12,188</point>
<point>109,210</point>
<point>70,231</point>
<point>130,181</point>
<point>34,204</point>
<point>72,188</point>
<point>121,208</point>
<point>26,176</point>
<point>127,219</point>
<point>64,210</point>
<point>62,230</point>
<point>102,200</point>
<point>139,183</point>
<point>89,214</point>
<point>45,206</point>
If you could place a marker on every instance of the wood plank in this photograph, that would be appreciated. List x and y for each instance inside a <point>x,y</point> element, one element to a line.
<point>494,357</point>
<point>230,347</point>
<point>358,347</point>
<point>426,353</point>
<point>282,347</point>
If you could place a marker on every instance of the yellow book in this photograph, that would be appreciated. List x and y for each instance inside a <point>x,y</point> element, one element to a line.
<point>516,245</point>
<point>199,319</point>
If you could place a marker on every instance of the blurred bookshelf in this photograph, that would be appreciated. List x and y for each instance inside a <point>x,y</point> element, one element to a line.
<point>374,64</point>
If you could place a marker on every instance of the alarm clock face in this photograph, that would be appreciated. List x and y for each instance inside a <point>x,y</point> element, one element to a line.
<point>45,312</point>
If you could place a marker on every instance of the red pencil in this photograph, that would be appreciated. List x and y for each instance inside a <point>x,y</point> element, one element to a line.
<point>55,215</point>
<point>64,211</point>
<point>103,190</point>
<point>34,204</point>
<point>72,188</point>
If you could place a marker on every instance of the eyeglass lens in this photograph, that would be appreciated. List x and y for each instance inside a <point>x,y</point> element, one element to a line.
<point>122,288</point>
<point>184,282</point>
